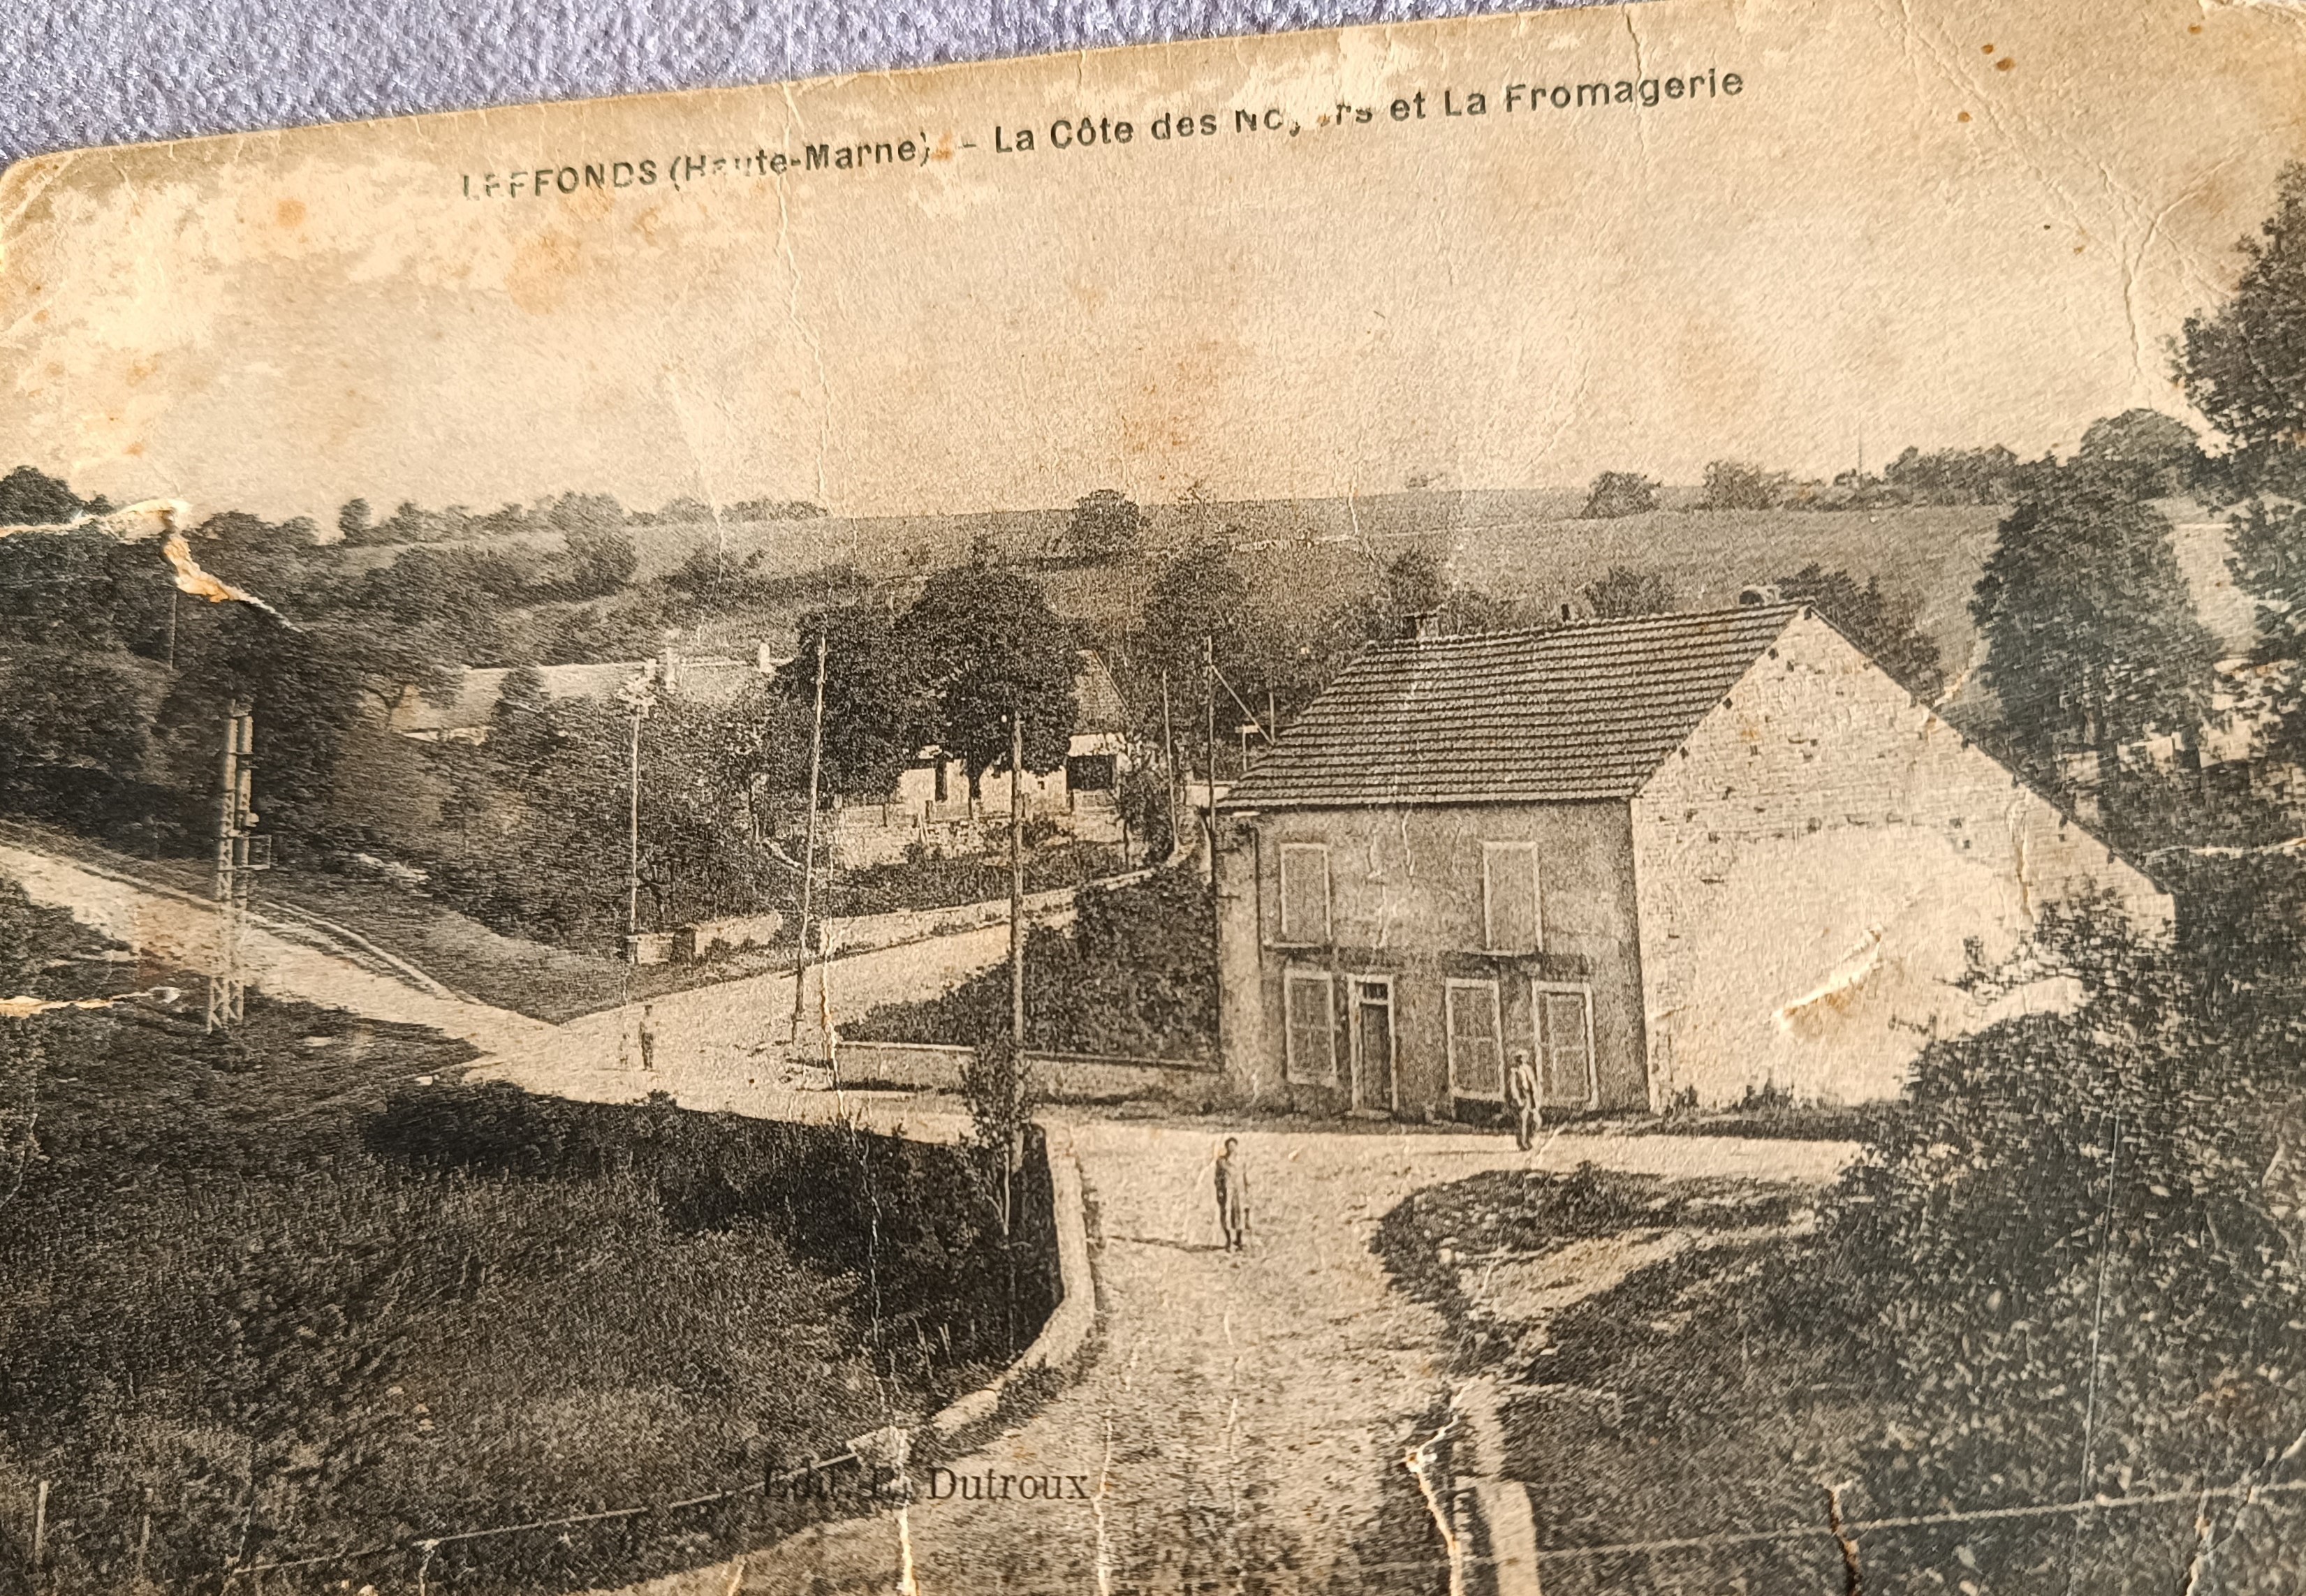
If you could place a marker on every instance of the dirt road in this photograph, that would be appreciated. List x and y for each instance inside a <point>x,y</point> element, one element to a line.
<point>1242,1424</point>
<point>1240,1421</point>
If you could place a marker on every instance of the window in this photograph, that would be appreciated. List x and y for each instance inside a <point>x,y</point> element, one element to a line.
<point>1304,893</point>
<point>1312,1027</point>
<point>1476,1068</point>
<point>1509,916</point>
<point>1091,773</point>
<point>1565,1046</point>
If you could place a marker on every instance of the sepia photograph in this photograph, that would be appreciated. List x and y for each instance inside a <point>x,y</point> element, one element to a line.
<point>1462,808</point>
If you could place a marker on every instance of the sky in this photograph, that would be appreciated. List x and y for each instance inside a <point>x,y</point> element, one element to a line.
<point>1929,224</point>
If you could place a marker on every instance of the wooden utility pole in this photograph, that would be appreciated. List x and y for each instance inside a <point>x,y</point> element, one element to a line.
<point>1169,762</point>
<point>1209,794</point>
<point>1017,883</point>
<point>633,847</point>
<point>1209,740</point>
<point>235,865</point>
<point>808,843</point>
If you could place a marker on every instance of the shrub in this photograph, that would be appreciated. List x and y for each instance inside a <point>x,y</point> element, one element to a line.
<point>1135,976</point>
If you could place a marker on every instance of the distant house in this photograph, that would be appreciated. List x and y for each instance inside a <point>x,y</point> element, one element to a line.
<point>1678,858</point>
<point>930,808</point>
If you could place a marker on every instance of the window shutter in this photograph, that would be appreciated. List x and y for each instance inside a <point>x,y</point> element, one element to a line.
<point>1304,893</point>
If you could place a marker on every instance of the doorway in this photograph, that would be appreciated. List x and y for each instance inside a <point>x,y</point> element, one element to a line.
<point>1371,1033</point>
<point>1566,1075</point>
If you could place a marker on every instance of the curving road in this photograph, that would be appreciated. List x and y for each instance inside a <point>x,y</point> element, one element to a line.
<point>1241,1422</point>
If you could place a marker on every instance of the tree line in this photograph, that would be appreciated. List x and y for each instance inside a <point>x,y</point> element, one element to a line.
<point>2161,450</point>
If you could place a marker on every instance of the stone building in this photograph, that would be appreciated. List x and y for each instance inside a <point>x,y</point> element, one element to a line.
<point>930,809</point>
<point>1689,858</point>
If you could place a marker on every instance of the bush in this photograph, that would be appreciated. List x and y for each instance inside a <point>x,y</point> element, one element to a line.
<point>2083,1237</point>
<point>1134,977</point>
<point>284,1310</point>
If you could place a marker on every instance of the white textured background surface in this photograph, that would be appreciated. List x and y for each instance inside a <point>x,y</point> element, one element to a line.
<point>104,71</point>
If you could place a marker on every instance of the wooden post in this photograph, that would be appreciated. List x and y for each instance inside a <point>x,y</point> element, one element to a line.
<point>1209,775</point>
<point>633,847</point>
<point>809,844</point>
<point>143,1536</point>
<point>39,1532</point>
<point>1169,762</point>
<point>1017,883</point>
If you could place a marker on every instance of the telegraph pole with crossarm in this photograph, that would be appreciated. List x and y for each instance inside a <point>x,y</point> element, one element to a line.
<point>240,854</point>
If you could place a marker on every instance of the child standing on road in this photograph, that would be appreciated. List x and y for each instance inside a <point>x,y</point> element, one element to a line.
<point>1233,1197</point>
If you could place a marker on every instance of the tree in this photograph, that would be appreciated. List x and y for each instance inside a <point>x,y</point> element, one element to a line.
<point>2092,645</point>
<point>66,709</point>
<point>310,687</point>
<point>1735,486</point>
<point>1197,593</point>
<point>30,498</point>
<point>592,512</point>
<point>1955,475</point>
<point>987,645</point>
<point>873,698</point>
<point>2148,1145</point>
<point>1620,493</point>
<point>278,562</point>
<point>698,763</point>
<point>1624,591</point>
<point>352,521</point>
<point>85,590</point>
<point>520,725</point>
<point>2161,450</point>
<point>601,560</point>
<point>1106,527</point>
<point>1884,623</point>
<point>2244,366</point>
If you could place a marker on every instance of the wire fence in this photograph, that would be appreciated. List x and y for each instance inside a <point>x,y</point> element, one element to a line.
<point>249,1576</point>
<point>426,1545</point>
<point>1850,1554</point>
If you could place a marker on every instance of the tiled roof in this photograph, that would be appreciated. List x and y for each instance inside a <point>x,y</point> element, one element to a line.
<point>1586,710</point>
<point>1102,707</point>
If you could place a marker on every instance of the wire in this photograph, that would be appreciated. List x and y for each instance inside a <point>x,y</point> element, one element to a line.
<point>1854,1527</point>
<point>427,1543</point>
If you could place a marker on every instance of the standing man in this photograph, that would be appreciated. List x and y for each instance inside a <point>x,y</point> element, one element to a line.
<point>1521,1099</point>
<point>648,1035</point>
<point>1233,1197</point>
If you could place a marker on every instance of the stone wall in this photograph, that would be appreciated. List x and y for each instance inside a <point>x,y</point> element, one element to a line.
<point>1818,866</point>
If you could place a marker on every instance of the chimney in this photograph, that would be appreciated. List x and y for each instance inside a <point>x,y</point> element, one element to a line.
<point>1565,615</point>
<point>1422,624</point>
<point>1754,598</point>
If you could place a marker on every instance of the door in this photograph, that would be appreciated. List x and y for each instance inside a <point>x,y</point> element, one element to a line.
<point>1372,1033</point>
<point>1566,1073</point>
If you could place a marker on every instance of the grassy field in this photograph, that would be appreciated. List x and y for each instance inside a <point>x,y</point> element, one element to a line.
<point>1527,543</point>
<point>298,1293</point>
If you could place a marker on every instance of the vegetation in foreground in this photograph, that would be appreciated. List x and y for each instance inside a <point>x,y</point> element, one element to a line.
<point>2066,1268</point>
<point>294,1293</point>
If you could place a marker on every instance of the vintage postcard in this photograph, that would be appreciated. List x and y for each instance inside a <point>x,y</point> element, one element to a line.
<point>1495,807</point>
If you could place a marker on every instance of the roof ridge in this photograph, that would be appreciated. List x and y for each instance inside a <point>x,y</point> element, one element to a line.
<point>1656,619</point>
<point>1580,711</point>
